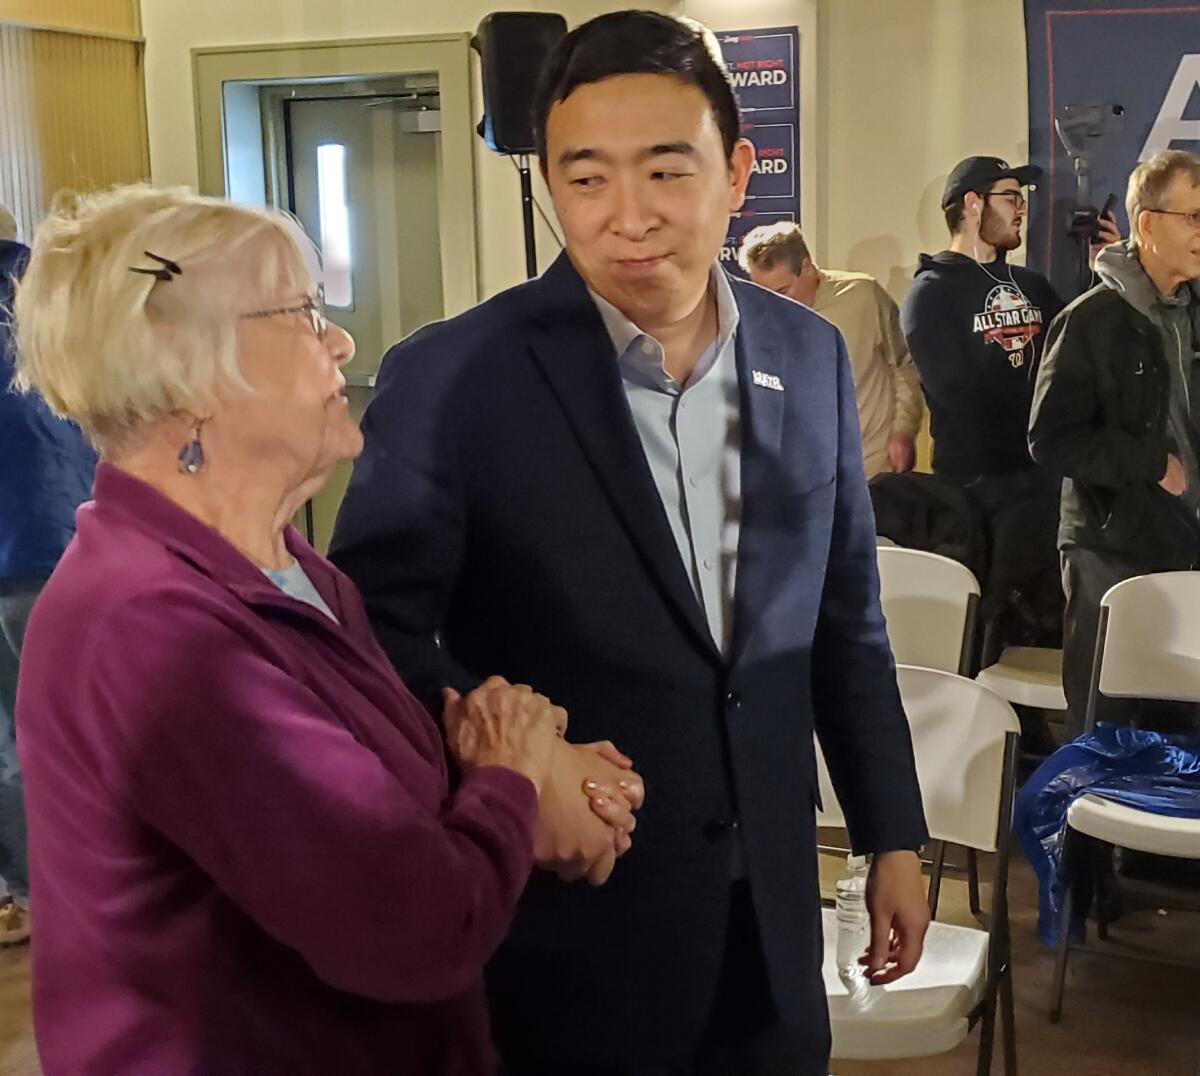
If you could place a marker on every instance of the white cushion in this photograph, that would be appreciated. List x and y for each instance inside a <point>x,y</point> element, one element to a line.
<point>1129,827</point>
<point>924,1013</point>
<point>1028,676</point>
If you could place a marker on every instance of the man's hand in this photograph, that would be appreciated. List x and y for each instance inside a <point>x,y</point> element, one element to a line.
<point>899,910</point>
<point>585,816</point>
<point>615,804</point>
<point>1107,226</point>
<point>1174,481</point>
<point>902,452</point>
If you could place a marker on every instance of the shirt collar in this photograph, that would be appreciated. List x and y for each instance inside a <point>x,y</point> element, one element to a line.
<point>824,290</point>
<point>629,341</point>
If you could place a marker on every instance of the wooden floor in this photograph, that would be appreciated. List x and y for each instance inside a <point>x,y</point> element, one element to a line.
<point>1121,1018</point>
<point>17,1055</point>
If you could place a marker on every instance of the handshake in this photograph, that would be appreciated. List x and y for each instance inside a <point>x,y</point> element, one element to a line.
<point>587,793</point>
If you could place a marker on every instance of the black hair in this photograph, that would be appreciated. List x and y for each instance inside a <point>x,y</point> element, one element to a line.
<point>635,43</point>
<point>955,212</point>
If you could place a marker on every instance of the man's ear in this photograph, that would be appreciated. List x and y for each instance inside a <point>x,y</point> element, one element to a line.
<point>1145,223</point>
<point>741,160</point>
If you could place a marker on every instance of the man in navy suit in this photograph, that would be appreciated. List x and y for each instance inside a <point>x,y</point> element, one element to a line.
<point>637,485</point>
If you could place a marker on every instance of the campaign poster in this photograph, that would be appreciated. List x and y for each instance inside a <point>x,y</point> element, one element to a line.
<point>764,66</point>
<point>1125,77</point>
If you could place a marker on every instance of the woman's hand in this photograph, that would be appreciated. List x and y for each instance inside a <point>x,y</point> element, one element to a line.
<point>503,724</point>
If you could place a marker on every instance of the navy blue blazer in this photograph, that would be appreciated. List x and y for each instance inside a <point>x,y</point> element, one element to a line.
<point>503,520</point>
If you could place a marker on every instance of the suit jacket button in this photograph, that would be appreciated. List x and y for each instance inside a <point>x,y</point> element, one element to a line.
<point>733,701</point>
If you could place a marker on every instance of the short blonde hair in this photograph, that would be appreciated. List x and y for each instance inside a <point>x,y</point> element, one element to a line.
<point>113,349</point>
<point>1149,181</point>
<point>770,244</point>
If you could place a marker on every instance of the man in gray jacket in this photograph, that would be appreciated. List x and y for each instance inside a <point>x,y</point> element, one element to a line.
<point>1116,411</point>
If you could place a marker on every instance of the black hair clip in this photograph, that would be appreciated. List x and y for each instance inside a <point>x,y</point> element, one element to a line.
<point>169,268</point>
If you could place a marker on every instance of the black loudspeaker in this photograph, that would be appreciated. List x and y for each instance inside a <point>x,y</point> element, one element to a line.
<point>512,47</point>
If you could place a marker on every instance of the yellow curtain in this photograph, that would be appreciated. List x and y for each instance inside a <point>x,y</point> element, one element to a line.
<point>73,114</point>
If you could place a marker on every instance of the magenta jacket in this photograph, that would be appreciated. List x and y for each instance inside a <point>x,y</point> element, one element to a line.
<point>247,854</point>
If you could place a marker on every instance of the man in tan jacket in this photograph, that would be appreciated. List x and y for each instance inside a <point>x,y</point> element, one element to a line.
<point>886,385</point>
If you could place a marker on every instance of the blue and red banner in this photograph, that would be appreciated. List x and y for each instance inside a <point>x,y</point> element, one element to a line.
<point>1125,74</point>
<point>765,68</point>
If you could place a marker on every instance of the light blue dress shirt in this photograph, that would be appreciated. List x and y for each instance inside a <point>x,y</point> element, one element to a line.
<point>691,435</point>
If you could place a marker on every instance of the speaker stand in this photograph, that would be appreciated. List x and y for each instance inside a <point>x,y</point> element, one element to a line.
<point>527,215</point>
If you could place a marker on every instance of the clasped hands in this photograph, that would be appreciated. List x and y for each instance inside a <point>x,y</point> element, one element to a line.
<point>587,793</point>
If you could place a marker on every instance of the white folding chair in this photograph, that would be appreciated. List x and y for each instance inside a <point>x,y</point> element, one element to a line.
<point>929,602</point>
<point>1027,676</point>
<point>1148,647</point>
<point>965,741</point>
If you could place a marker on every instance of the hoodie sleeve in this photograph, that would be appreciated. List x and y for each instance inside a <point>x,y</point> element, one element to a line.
<point>923,320</point>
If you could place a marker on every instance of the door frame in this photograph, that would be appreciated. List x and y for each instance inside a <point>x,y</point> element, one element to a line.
<point>446,55</point>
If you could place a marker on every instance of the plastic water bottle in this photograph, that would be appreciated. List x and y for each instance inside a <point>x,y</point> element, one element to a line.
<point>854,930</point>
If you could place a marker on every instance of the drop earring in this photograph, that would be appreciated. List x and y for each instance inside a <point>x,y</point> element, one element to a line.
<point>191,456</point>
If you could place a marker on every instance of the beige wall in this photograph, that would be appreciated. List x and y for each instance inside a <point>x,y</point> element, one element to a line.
<point>908,88</point>
<point>904,89</point>
<point>173,27</point>
<point>118,17</point>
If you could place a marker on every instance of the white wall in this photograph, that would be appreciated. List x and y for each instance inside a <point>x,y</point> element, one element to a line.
<point>905,88</point>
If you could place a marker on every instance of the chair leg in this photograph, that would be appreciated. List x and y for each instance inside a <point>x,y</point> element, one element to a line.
<point>935,877</point>
<point>987,1031</point>
<point>1009,1017</point>
<point>973,883</point>
<point>1058,983</point>
<point>1097,856</point>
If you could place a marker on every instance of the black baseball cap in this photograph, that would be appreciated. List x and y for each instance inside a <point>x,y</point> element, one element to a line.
<point>979,173</point>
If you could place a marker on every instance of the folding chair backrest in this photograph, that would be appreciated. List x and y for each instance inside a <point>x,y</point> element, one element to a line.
<point>830,812</point>
<point>926,601</point>
<point>1152,638</point>
<point>958,731</point>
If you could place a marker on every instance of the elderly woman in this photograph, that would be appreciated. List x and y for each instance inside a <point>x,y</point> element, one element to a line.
<point>248,851</point>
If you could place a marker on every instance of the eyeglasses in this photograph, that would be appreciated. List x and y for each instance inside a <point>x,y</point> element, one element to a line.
<point>1016,197</point>
<point>1192,216</point>
<point>312,307</point>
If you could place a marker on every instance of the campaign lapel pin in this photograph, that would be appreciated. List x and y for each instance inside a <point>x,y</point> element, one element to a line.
<point>766,381</point>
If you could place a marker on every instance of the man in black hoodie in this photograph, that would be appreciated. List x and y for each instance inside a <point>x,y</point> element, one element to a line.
<point>975,324</point>
<point>1116,412</point>
<point>975,327</point>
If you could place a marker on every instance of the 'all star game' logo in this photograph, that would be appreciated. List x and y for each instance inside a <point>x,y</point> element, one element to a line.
<point>1008,320</point>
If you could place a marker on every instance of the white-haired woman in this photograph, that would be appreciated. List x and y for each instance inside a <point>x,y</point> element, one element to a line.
<point>247,849</point>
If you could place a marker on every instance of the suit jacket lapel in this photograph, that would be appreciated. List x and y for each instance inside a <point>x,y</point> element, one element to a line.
<point>576,355</point>
<point>762,413</point>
